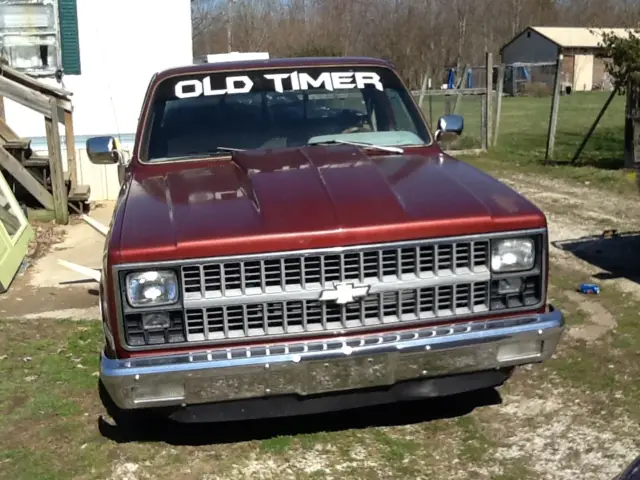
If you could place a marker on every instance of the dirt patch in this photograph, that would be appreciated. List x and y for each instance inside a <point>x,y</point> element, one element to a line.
<point>577,215</point>
<point>25,301</point>
<point>563,439</point>
<point>599,319</point>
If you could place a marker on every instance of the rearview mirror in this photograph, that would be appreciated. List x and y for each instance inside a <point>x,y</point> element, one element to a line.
<point>104,150</point>
<point>449,124</point>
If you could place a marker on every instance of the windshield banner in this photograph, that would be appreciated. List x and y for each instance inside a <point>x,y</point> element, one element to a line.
<point>280,82</point>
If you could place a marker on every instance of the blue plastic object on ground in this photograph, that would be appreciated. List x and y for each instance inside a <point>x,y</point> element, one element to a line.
<point>589,288</point>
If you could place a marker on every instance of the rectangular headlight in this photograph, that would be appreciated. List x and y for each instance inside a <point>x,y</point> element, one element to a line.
<point>512,255</point>
<point>152,288</point>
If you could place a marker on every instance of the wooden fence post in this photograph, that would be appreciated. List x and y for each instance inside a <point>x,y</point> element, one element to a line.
<point>499,92</point>
<point>483,122</point>
<point>423,89</point>
<point>555,104</point>
<point>71,150</point>
<point>459,85</point>
<point>430,107</point>
<point>58,187</point>
<point>488,107</point>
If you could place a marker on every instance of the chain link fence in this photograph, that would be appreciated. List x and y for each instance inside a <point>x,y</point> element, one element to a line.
<point>523,92</point>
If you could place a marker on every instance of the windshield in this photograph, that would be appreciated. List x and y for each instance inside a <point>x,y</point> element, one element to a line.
<point>216,113</point>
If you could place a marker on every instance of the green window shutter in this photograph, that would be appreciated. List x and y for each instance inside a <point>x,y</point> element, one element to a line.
<point>69,39</point>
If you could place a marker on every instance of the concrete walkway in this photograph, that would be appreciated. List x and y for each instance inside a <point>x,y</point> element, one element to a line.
<point>49,290</point>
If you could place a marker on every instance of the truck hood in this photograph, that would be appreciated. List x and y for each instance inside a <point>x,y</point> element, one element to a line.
<point>310,197</point>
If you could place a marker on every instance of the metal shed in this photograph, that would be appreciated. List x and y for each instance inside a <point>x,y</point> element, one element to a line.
<point>580,68</point>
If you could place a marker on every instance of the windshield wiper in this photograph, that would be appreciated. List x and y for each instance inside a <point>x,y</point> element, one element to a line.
<point>229,149</point>
<point>198,155</point>
<point>362,144</point>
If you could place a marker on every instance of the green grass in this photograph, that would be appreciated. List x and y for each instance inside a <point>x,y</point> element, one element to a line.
<point>522,139</point>
<point>524,124</point>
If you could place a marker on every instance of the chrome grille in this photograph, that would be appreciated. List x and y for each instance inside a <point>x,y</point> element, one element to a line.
<point>310,271</point>
<point>300,316</point>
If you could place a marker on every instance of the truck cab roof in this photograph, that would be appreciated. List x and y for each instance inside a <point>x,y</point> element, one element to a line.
<point>253,64</point>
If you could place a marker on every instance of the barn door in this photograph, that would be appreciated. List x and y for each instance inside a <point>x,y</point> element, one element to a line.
<point>15,234</point>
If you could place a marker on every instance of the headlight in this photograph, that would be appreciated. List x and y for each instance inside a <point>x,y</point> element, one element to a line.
<point>152,288</point>
<point>512,255</point>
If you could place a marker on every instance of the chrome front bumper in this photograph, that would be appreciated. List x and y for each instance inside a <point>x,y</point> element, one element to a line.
<point>329,365</point>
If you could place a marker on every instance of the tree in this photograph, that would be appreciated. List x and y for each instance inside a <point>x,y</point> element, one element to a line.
<point>623,54</point>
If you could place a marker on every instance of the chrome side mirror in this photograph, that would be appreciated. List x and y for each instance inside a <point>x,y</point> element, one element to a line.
<point>104,150</point>
<point>449,124</point>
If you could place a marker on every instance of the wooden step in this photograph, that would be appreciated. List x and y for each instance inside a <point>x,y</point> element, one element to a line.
<point>36,162</point>
<point>80,193</point>
<point>21,144</point>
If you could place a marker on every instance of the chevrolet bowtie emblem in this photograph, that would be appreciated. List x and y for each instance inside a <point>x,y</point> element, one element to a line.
<point>344,293</point>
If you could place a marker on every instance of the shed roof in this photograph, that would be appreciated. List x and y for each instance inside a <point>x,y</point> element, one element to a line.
<point>574,37</point>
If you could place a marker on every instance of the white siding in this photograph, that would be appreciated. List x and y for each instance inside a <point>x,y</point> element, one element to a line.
<point>122,44</point>
<point>103,179</point>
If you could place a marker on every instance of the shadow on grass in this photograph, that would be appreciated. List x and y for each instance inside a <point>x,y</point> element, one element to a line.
<point>405,413</point>
<point>603,163</point>
<point>618,256</point>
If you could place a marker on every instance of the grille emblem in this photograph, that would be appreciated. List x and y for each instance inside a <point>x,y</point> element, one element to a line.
<point>344,293</point>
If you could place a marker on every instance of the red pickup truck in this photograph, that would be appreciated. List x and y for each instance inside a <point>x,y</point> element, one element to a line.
<point>290,238</point>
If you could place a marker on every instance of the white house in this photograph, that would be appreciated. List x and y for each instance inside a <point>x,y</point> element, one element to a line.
<point>107,51</point>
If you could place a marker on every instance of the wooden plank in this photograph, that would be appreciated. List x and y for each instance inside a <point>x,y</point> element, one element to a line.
<point>24,177</point>
<point>499,93</point>
<point>3,117</point>
<point>553,117</point>
<point>24,96</point>
<point>468,151</point>
<point>32,83</point>
<point>29,98</point>
<point>40,215</point>
<point>22,144</point>
<point>489,106</point>
<point>58,186</point>
<point>71,148</point>
<point>36,161</point>
<point>62,119</point>
<point>452,91</point>
<point>80,193</point>
<point>6,132</point>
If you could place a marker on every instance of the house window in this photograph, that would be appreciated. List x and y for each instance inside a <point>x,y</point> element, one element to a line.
<point>28,37</point>
<point>40,37</point>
